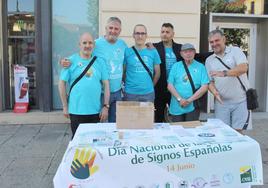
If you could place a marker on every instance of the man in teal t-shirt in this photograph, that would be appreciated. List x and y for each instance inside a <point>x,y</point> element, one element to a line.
<point>84,104</point>
<point>139,86</point>
<point>181,105</point>
<point>112,50</point>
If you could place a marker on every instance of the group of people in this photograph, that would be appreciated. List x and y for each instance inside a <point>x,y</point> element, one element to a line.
<point>106,71</point>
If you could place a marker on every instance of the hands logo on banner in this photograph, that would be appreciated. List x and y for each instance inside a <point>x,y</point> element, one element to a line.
<point>82,164</point>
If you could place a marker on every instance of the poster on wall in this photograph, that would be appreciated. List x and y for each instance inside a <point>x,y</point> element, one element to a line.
<point>21,87</point>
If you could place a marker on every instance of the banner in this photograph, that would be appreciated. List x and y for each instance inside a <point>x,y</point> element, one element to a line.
<point>21,87</point>
<point>168,157</point>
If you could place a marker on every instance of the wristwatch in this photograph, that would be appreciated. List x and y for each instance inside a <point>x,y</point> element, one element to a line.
<point>106,106</point>
<point>224,73</point>
<point>179,99</point>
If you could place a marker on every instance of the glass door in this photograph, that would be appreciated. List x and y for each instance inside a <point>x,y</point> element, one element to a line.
<point>21,46</point>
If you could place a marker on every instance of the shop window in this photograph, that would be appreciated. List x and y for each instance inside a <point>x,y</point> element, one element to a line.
<point>70,19</point>
<point>21,45</point>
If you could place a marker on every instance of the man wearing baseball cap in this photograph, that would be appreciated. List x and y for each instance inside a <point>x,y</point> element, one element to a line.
<point>187,82</point>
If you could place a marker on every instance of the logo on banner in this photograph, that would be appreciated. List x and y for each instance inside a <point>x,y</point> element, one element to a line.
<point>228,178</point>
<point>183,184</point>
<point>199,183</point>
<point>245,174</point>
<point>206,135</point>
<point>169,185</point>
<point>214,181</point>
<point>83,163</point>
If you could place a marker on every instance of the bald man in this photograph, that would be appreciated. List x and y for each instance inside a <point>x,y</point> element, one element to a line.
<point>84,104</point>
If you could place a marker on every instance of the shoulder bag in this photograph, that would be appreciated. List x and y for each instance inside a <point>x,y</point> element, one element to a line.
<point>251,94</point>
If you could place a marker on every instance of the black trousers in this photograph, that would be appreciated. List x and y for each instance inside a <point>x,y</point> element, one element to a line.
<point>160,104</point>
<point>191,116</point>
<point>77,119</point>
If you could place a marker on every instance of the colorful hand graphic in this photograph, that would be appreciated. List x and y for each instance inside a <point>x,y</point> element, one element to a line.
<point>82,165</point>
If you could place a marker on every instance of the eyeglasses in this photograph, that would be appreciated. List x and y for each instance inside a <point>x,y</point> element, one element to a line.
<point>85,42</point>
<point>140,33</point>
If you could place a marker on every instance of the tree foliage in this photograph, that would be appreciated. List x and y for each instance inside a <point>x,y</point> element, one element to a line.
<point>93,15</point>
<point>223,6</point>
<point>237,37</point>
<point>233,36</point>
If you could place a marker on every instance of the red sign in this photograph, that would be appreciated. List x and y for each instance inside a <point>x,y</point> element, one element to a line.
<point>21,86</point>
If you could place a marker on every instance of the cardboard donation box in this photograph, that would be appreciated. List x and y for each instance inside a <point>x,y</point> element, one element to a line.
<point>188,124</point>
<point>134,115</point>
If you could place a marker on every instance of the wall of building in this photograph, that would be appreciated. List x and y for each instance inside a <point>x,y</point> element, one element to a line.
<point>259,6</point>
<point>1,61</point>
<point>262,64</point>
<point>152,13</point>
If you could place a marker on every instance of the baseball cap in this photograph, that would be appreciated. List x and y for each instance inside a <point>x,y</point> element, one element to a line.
<point>187,46</point>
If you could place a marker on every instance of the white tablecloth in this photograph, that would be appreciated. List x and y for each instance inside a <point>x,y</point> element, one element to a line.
<point>212,155</point>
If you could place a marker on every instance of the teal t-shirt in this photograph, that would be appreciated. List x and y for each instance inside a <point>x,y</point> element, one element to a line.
<point>170,60</point>
<point>138,80</point>
<point>85,98</point>
<point>113,53</point>
<point>179,79</point>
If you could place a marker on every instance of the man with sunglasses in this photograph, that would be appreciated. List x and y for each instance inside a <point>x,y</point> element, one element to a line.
<point>112,49</point>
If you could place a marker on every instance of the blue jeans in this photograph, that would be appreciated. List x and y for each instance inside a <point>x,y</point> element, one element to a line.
<point>114,96</point>
<point>139,98</point>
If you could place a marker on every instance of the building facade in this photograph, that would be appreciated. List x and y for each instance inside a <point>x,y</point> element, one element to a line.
<point>37,34</point>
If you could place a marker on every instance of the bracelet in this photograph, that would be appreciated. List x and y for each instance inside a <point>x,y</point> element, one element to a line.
<point>106,106</point>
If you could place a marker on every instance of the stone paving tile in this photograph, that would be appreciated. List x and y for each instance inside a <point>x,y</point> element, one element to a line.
<point>47,181</point>
<point>58,156</point>
<point>32,181</point>
<point>8,129</point>
<point>47,142</point>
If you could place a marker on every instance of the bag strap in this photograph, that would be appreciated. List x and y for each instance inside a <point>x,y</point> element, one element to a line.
<point>189,76</point>
<point>82,74</point>
<point>244,88</point>
<point>142,62</point>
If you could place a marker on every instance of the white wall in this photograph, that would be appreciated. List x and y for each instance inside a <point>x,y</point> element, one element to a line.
<point>1,62</point>
<point>262,65</point>
<point>183,14</point>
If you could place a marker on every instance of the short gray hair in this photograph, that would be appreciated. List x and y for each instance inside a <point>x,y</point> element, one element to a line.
<point>114,19</point>
<point>139,25</point>
<point>214,32</point>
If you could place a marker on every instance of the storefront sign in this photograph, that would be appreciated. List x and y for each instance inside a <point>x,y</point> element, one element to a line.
<point>21,87</point>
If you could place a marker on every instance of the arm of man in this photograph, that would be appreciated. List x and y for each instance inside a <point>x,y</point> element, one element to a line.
<point>183,102</point>
<point>65,63</point>
<point>156,74</point>
<point>238,70</point>
<point>104,110</point>
<point>63,97</point>
<point>124,73</point>
<point>199,93</point>
<point>234,72</point>
<point>214,91</point>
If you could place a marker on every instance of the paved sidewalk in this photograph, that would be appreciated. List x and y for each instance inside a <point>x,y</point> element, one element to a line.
<point>31,152</point>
